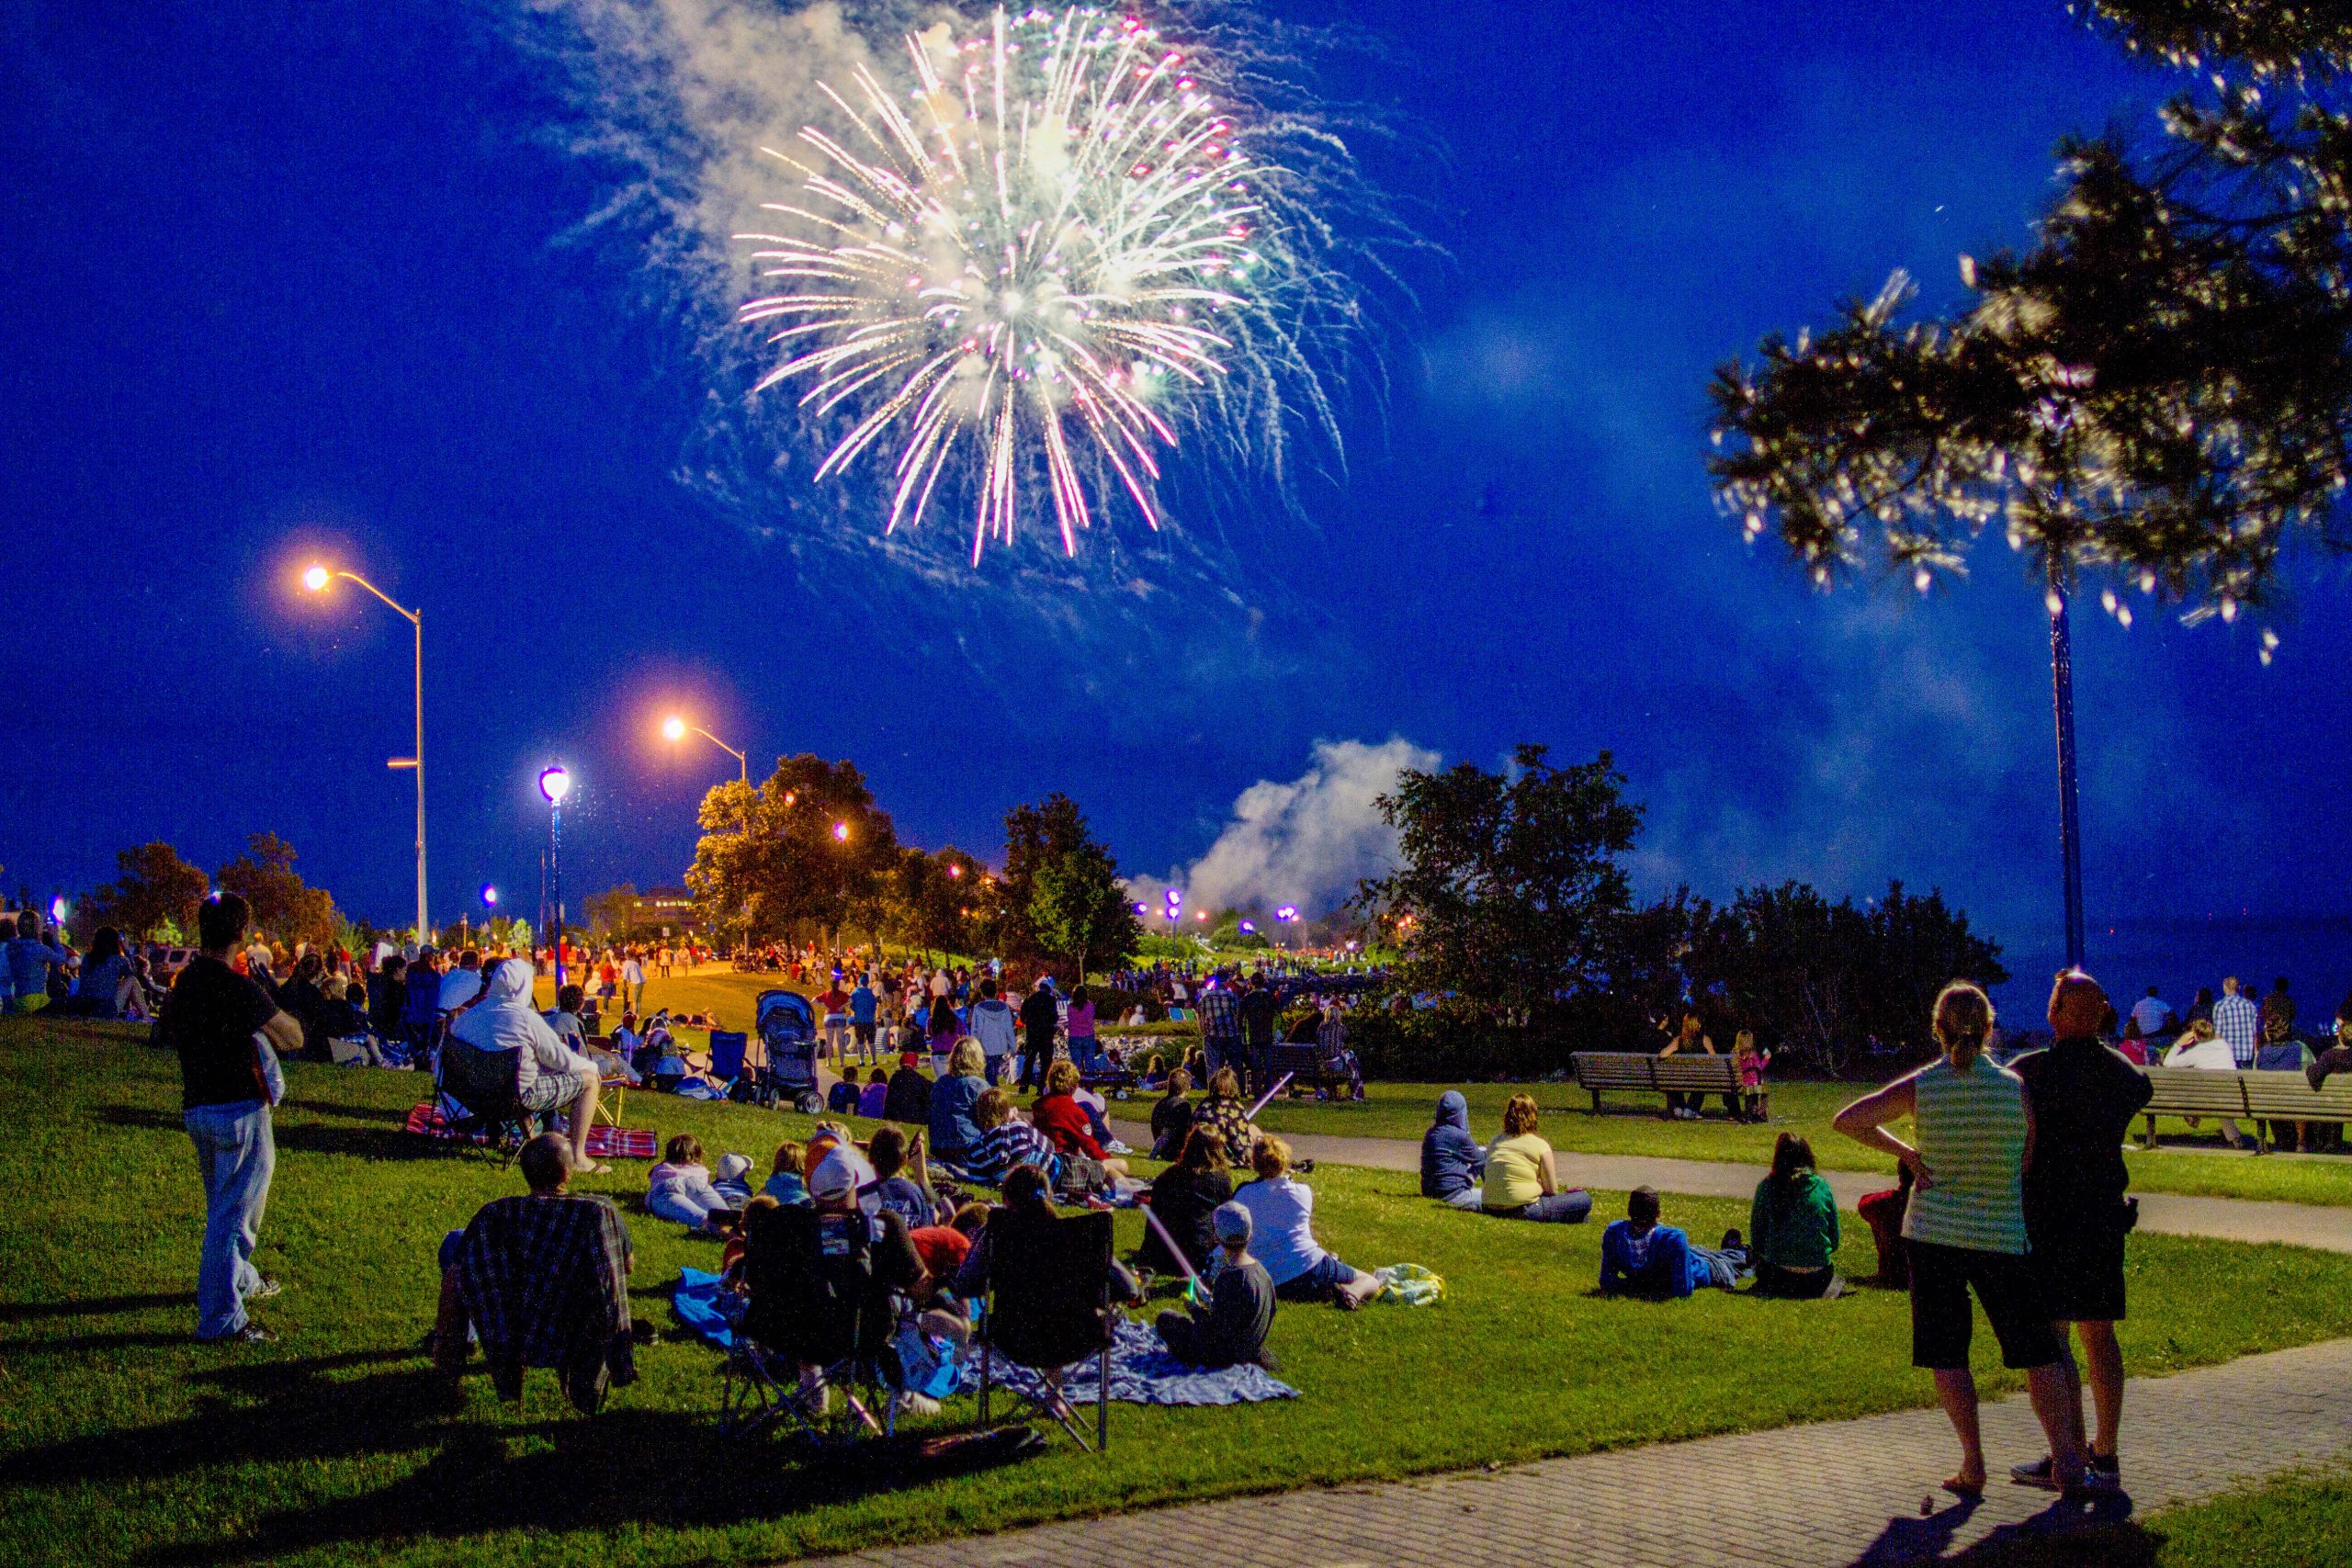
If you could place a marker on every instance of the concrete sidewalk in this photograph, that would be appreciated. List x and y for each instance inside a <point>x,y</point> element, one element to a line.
<point>2224,1219</point>
<point>1833,1493</point>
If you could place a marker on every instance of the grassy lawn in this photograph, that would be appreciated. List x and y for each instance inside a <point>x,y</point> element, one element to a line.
<point>123,1441</point>
<point>2299,1522</point>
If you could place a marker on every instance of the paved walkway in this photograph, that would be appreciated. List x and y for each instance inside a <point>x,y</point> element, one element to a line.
<point>1834,1493</point>
<point>2226,1219</point>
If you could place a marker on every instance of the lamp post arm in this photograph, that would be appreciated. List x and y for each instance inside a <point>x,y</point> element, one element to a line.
<point>741,760</point>
<point>395,607</point>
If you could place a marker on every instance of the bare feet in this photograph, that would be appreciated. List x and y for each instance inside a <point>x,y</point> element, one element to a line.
<point>1966,1485</point>
<point>586,1166</point>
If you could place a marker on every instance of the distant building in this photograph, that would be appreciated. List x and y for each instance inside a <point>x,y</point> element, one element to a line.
<point>659,907</point>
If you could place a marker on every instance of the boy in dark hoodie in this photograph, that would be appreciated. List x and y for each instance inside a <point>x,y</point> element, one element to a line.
<point>1452,1160</point>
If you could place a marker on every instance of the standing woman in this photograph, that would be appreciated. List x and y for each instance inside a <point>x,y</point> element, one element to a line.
<point>1966,1227</point>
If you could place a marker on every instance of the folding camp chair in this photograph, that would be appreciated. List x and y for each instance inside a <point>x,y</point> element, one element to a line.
<point>813,1300</point>
<point>1049,1305</point>
<point>475,1091</point>
<point>735,1074</point>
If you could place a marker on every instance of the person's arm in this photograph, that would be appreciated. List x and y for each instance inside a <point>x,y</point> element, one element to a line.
<point>1615,1272</point>
<point>284,1032</point>
<point>1547,1175</point>
<point>1670,1261</point>
<point>2025,1097</point>
<point>1828,1201</point>
<point>1865,1121</point>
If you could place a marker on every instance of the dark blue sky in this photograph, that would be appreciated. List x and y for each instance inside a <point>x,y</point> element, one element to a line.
<point>293,277</point>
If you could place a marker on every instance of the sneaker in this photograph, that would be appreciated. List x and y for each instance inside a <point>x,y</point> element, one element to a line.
<point>251,1334</point>
<point>2106,1473</point>
<point>263,1292</point>
<point>2039,1475</point>
<point>905,1404</point>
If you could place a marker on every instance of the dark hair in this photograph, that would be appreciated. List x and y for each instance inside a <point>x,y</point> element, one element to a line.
<point>2280,984</point>
<point>888,1151</point>
<point>1791,1154</point>
<point>969,1218</point>
<point>546,1161</point>
<point>1204,1150</point>
<point>1178,1081</point>
<point>107,944</point>
<point>1025,1187</point>
<point>1641,1205</point>
<point>683,1149</point>
<point>220,922</point>
<point>877,1075</point>
<point>988,988</point>
<point>393,963</point>
<point>310,967</point>
<point>8,928</point>
<point>569,998</point>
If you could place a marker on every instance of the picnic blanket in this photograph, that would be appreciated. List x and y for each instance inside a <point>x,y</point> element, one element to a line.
<point>702,1306</point>
<point>1143,1372</point>
<point>604,1142</point>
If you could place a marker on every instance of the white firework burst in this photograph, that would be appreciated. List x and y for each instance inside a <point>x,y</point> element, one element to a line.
<point>1039,264</point>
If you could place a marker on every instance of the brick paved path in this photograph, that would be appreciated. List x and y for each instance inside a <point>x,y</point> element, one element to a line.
<point>1830,1494</point>
<point>2227,1219</point>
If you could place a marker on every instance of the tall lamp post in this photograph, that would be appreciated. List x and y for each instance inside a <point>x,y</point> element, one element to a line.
<point>316,580</point>
<point>554,784</point>
<point>675,729</point>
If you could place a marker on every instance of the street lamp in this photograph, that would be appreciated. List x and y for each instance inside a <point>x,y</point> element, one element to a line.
<point>675,729</point>
<point>841,832</point>
<point>1175,901</point>
<point>554,784</point>
<point>316,578</point>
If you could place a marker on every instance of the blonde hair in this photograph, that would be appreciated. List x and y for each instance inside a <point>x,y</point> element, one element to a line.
<point>1519,1116</point>
<point>1061,1078</point>
<point>1743,1041</point>
<point>791,1156</point>
<point>1964,1018</point>
<point>1224,1083</point>
<point>1271,1157</point>
<point>989,1111</point>
<point>967,1060</point>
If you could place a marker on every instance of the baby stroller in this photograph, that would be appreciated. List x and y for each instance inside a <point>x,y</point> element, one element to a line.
<point>787,1028</point>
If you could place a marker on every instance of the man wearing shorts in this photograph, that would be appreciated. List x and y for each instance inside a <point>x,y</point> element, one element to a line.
<point>864,1009</point>
<point>2084,1094</point>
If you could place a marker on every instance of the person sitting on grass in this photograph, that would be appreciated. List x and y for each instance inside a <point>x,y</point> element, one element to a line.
<point>1171,1117</point>
<point>902,1187</point>
<point>1182,1197</point>
<point>1232,1328</point>
<point>1227,1116</point>
<point>908,1098</point>
<point>679,1188</point>
<point>1005,1143</point>
<point>1058,1115</point>
<point>1452,1160</point>
<point>876,1096</point>
<point>1644,1258</point>
<point>1282,1213</point>
<point>1792,1227</point>
<point>1521,1182</point>
<point>786,1181</point>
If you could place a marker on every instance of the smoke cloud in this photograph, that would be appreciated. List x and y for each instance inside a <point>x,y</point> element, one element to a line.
<point>1306,841</point>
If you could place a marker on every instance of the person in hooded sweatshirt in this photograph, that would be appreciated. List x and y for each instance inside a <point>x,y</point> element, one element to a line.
<point>550,1076</point>
<point>1453,1163</point>
<point>995,1027</point>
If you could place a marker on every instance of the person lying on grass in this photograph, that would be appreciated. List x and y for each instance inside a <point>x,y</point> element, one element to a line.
<point>1281,1214</point>
<point>680,1189</point>
<point>1643,1258</point>
<point>1233,1326</point>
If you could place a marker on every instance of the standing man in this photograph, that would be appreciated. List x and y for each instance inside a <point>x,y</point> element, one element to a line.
<point>993,1025</point>
<point>864,1009</point>
<point>2083,1095</point>
<point>210,1018</point>
<point>1257,1020</point>
<point>1041,1015</point>
<point>2239,1023</point>
<point>1220,1027</point>
<point>633,982</point>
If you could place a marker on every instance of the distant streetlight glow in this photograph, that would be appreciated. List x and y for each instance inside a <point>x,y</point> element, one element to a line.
<point>675,729</point>
<point>554,784</point>
<point>489,896</point>
<point>841,832</point>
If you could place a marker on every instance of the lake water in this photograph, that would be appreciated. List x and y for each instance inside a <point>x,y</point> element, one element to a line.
<point>2314,952</point>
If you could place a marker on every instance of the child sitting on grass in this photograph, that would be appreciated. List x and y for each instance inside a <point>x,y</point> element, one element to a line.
<point>1240,1309</point>
<point>680,1188</point>
<point>876,1095</point>
<point>1755,1103</point>
<point>902,1187</point>
<point>784,1183</point>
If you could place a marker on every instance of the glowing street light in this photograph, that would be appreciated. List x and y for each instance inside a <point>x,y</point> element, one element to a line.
<point>489,897</point>
<point>555,783</point>
<point>841,832</point>
<point>316,578</point>
<point>675,729</point>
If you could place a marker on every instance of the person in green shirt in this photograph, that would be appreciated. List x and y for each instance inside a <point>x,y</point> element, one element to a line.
<point>1792,1227</point>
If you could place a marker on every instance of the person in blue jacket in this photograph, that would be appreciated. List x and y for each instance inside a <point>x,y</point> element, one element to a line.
<point>1452,1161</point>
<point>1641,1257</point>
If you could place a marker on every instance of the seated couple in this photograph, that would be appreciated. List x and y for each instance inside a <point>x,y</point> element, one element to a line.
<point>1515,1177</point>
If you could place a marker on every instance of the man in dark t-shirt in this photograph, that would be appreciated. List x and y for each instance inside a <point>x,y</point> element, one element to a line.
<point>2084,1096</point>
<point>1040,1016</point>
<point>1259,1016</point>
<point>210,1018</point>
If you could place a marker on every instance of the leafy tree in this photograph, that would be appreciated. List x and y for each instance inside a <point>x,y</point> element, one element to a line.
<point>2159,392</point>
<point>612,912</point>
<point>1033,837</point>
<point>804,853</point>
<point>1509,885</point>
<point>1079,908</point>
<point>283,905</point>
<point>155,893</point>
<point>933,899</point>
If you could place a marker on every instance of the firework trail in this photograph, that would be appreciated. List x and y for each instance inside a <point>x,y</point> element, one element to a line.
<point>1039,265</point>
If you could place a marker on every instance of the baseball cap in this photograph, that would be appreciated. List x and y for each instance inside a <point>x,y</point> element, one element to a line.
<point>1232,1222</point>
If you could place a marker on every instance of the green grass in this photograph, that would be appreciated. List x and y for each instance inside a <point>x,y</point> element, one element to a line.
<point>123,1441</point>
<point>2296,1521</point>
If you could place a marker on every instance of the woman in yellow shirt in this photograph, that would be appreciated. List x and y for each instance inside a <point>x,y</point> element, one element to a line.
<point>1522,1180</point>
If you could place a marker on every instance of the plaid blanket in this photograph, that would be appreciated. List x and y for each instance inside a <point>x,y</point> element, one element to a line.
<point>604,1142</point>
<point>426,1120</point>
<point>1143,1372</point>
<point>545,1284</point>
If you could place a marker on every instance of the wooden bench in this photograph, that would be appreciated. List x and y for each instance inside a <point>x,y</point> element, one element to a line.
<point>1637,1072</point>
<point>2262,1097</point>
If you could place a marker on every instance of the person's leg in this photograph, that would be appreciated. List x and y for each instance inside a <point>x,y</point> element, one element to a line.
<point>2103,1366</point>
<point>1559,1208</point>
<point>235,1154</point>
<point>1351,1287</point>
<point>1471,1197</point>
<point>1180,1335</point>
<point>1956,1389</point>
<point>2058,1405</point>
<point>584,1118</point>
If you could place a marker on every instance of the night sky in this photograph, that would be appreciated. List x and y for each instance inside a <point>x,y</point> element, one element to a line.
<point>320,278</point>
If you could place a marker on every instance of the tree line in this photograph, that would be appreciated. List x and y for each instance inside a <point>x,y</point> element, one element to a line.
<point>806,854</point>
<point>155,892</point>
<point>1512,903</point>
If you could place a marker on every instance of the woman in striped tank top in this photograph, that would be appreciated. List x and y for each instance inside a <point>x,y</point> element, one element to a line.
<point>1966,1227</point>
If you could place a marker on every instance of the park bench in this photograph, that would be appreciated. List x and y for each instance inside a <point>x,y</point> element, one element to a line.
<point>2264,1097</point>
<point>1320,1064</point>
<point>1636,1072</point>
